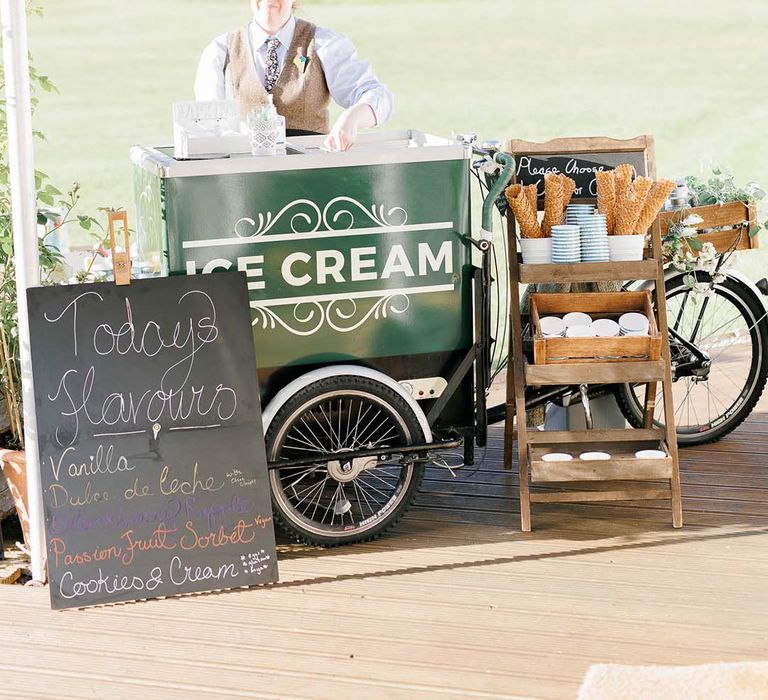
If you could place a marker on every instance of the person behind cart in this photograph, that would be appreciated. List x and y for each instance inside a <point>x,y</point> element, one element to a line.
<point>302,66</point>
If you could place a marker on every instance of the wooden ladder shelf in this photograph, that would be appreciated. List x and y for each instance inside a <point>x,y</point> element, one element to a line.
<point>623,474</point>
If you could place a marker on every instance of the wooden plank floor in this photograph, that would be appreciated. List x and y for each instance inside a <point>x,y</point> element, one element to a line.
<point>455,603</point>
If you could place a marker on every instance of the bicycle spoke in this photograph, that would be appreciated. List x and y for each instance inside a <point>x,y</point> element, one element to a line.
<point>332,435</point>
<point>359,492</point>
<point>307,472</point>
<point>722,326</point>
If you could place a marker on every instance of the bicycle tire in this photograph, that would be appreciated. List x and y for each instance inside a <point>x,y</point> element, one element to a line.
<point>754,313</point>
<point>302,409</point>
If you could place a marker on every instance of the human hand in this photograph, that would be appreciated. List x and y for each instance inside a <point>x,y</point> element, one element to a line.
<point>344,132</point>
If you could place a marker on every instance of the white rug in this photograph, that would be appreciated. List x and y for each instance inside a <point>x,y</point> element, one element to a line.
<point>732,681</point>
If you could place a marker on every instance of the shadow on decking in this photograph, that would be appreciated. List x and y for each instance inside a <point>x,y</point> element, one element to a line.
<point>494,561</point>
<point>725,487</point>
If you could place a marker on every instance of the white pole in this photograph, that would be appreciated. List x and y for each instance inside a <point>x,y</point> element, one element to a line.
<point>24,218</point>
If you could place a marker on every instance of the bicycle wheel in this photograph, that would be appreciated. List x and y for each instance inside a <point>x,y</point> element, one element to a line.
<point>334,501</point>
<point>731,328</point>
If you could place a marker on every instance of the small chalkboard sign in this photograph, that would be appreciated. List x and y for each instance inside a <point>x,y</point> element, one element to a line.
<point>579,159</point>
<point>152,455</point>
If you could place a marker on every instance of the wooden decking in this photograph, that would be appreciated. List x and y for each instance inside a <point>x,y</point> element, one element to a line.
<point>455,603</point>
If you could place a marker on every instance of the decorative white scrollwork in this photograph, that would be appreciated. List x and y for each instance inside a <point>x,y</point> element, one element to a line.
<point>308,212</point>
<point>340,314</point>
<point>307,217</point>
<point>378,216</point>
<point>309,317</point>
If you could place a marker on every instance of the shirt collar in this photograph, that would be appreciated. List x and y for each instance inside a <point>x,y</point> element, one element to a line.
<point>284,36</point>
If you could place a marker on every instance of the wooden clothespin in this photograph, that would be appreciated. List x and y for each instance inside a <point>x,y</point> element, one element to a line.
<point>121,261</point>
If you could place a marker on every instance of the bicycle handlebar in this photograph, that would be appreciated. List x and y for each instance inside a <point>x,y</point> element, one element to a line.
<point>507,171</point>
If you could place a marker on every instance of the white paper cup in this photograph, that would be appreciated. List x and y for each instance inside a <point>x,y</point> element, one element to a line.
<point>536,250</point>
<point>626,248</point>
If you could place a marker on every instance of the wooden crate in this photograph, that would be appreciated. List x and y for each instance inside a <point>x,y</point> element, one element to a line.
<point>620,445</point>
<point>598,305</point>
<point>738,217</point>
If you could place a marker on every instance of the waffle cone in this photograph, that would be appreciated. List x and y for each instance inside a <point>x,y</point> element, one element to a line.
<point>630,205</point>
<point>569,187</point>
<point>532,191</point>
<point>623,177</point>
<point>525,215</point>
<point>606,196</point>
<point>653,204</point>
<point>511,192</point>
<point>553,202</point>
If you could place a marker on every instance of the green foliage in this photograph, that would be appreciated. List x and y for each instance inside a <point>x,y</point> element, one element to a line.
<point>55,210</point>
<point>720,188</point>
<point>682,245</point>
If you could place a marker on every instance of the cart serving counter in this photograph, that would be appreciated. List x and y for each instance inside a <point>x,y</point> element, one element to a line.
<point>359,266</point>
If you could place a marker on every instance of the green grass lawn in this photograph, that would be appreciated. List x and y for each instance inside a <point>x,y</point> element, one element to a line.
<point>691,73</point>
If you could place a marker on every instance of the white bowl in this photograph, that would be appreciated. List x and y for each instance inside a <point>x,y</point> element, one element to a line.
<point>579,332</point>
<point>552,325</point>
<point>606,328</point>
<point>651,454</point>
<point>557,457</point>
<point>634,322</point>
<point>594,456</point>
<point>577,318</point>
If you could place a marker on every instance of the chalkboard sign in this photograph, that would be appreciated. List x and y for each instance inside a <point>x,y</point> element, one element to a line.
<point>151,448</point>
<point>579,159</point>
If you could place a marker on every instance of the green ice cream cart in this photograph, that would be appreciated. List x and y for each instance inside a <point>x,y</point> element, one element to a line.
<point>369,316</point>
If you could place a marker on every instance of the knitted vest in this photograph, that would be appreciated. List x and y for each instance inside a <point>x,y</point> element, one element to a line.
<point>301,95</point>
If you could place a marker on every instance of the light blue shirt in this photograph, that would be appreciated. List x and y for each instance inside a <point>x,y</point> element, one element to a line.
<point>350,79</point>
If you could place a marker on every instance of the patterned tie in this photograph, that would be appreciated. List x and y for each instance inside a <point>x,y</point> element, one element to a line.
<point>272,69</point>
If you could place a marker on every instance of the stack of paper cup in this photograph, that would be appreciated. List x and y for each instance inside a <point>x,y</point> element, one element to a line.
<point>574,212</point>
<point>566,244</point>
<point>594,238</point>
